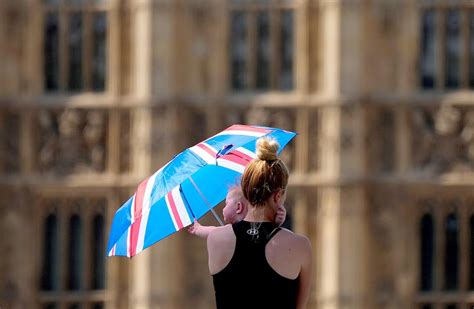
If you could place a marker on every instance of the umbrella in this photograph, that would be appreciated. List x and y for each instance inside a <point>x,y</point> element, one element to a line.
<point>186,188</point>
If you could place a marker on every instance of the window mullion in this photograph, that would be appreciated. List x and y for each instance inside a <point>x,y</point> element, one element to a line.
<point>63,49</point>
<point>113,79</point>
<point>439,306</point>
<point>464,65</point>
<point>2,139</point>
<point>463,272</point>
<point>252,55</point>
<point>301,41</point>
<point>439,242</point>
<point>87,245</point>
<point>275,35</point>
<point>87,49</point>
<point>440,51</point>
<point>470,47</point>
<point>112,273</point>
<point>63,228</point>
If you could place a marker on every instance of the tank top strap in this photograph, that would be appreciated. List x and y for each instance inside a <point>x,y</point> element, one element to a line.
<point>273,233</point>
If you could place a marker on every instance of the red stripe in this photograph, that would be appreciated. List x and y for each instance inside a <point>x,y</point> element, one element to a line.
<point>233,158</point>
<point>139,198</point>
<point>137,218</point>
<point>174,210</point>
<point>207,149</point>
<point>241,127</point>
<point>134,230</point>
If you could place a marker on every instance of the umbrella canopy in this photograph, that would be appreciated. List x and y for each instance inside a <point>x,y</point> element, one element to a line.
<point>186,188</point>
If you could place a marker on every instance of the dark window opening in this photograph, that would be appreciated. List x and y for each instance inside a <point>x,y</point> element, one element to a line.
<point>426,253</point>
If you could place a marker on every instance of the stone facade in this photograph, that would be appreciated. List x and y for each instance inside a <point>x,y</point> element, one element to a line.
<point>375,153</point>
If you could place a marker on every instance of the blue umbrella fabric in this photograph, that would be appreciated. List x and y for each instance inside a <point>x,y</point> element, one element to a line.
<point>186,188</point>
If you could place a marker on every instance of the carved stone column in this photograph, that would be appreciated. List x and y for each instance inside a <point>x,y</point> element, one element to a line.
<point>142,26</point>
<point>12,46</point>
<point>155,273</point>
<point>342,280</point>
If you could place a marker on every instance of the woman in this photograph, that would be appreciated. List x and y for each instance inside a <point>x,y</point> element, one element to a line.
<point>254,263</point>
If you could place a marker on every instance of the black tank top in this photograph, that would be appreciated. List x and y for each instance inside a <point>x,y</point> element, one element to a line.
<point>248,281</point>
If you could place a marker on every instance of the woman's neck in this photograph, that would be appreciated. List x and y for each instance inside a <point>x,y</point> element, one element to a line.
<point>260,214</point>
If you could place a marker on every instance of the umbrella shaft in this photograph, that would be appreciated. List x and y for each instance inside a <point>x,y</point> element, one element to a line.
<point>205,200</point>
<point>217,217</point>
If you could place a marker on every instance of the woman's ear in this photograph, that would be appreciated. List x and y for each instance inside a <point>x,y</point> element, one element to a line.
<point>277,196</point>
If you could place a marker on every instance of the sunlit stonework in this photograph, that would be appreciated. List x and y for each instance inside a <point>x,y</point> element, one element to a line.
<point>95,95</point>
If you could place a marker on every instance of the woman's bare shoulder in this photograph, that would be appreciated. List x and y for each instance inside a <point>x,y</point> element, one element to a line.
<point>220,247</point>
<point>220,235</point>
<point>296,239</point>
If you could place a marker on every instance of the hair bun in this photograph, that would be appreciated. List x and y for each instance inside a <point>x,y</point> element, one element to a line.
<point>267,149</point>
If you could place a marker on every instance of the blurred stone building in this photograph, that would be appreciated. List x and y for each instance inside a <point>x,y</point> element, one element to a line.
<point>97,94</point>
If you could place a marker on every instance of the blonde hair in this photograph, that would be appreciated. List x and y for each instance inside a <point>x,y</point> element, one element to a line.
<point>236,192</point>
<point>265,175</point>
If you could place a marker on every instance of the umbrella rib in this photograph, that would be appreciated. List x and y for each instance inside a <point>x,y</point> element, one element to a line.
<point>205,200</point>
<point>188,206</point>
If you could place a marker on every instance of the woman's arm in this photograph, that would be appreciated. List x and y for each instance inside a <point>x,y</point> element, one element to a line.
<point>305,273</point>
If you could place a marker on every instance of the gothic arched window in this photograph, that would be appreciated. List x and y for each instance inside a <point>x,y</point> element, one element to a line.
<point>73,269</point>
<point>74,45</point>
<point>261,45</point>
<point>446,47</point>
<point>428,44</point>
<point>471,253</point>
<point>446,266</point>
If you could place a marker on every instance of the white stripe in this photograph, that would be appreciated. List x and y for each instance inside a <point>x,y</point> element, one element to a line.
<point>145,211</point>
<point>231,165</point>
<point>132,208</point>
<point>128,240</point>
<point>203,154</point>
<point>130,228</point>
<point>141,233</point>
<point>241,132</point>
<point>246,151</point>
<point>170,212</point>
<point>182,212</point>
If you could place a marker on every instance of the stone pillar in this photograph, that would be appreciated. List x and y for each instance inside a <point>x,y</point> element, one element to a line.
<point>167,269</point>
<point>344,248</point>
<point>330,47</point>
<point>343,259</point>
<point>409,45</point>
<point>12,46</point>
<point>302,64</point>
<point>140,281</point>
<point>155,280</point>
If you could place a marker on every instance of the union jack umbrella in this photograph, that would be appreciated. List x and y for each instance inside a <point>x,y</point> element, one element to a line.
<point>186,188</point>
